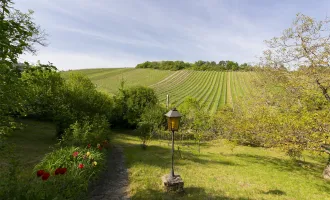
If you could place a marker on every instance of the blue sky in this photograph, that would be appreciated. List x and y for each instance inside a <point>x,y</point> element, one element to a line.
<point>122,33</point>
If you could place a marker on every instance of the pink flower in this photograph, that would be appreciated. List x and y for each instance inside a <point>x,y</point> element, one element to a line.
<point>75,154</point>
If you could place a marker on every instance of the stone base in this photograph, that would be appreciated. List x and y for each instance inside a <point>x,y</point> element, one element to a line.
<point>174,184</point>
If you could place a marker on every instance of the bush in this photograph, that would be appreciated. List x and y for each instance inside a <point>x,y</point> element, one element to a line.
<point>90,130</point>
<point>130,104</point>
<point>62,174</point>
<point>145,131</point>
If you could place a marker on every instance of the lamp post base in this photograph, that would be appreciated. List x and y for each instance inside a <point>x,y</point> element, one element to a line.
<point>174,184</point>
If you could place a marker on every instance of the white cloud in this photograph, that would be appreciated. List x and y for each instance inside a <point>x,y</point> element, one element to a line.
<point>70,60</point>
<point>133,31</point>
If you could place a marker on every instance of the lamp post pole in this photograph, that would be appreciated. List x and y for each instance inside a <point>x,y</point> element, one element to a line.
<point>172,171</point>
<point>173,182</point>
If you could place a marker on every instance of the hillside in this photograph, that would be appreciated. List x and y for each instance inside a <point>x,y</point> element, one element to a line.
<point>212,89</point>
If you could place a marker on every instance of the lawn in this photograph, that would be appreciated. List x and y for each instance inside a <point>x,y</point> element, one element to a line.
<point>219,172</point>
<point>29,144</point>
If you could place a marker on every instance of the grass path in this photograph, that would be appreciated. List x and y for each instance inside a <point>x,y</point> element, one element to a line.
<point>221,173</point>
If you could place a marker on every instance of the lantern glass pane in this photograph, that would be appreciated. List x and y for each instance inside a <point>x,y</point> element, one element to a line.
<point>173,123</point>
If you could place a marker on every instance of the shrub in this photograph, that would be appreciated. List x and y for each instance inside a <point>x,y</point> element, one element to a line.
<point>130,104</point>
<point>62,174</point>
<point>90,130</point>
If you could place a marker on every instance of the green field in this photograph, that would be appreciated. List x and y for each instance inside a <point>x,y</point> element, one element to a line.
<point>212,89</point>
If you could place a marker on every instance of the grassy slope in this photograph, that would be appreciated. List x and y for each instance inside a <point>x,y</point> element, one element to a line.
<point>212,89</point>
<point>108,80</point>
<point>31,144</point>
<point>219,173</point>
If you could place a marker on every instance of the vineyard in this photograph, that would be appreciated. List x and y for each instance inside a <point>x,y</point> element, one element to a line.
<point>212,89</point>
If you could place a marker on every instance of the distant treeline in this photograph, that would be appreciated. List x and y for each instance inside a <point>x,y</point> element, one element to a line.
<point>198,65</point>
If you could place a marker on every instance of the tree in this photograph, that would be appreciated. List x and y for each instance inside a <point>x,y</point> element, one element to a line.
<point>195,119</point>
<point>305,46</point>
<point>130,104</point>
<point>305,43</point>
<point>18,33</point>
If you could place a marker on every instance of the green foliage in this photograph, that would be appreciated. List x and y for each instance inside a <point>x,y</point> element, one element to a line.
<point>45,91</point>
<point>72,184</point>
<point>153,122</point>
<point>12,97</point>
<point>89,130</point>
<point>18,33</point>
<point>145,131</point>
<point>83,99</point>
<point>198,65</point>
<point>155,115</point>
<point>285,111</point>
<point>49,97</point>
<point>130,104</point>
<point>194,119</point>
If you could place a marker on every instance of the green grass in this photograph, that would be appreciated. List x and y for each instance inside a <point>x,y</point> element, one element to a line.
<point>108,80</point>
<point>220,173</point>
<point>212,89</point>
<point>30,145</point>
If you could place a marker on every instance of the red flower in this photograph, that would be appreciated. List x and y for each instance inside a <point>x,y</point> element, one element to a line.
<point>75,154</point>
<point>81,166</point>
<point>57,171</point>
<point>40,173</point>
<point>62,170</point>
<point>45,176</point>
<point>100,148</point>
<point>89,146</point>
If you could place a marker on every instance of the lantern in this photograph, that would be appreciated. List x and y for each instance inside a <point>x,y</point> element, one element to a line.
<point>173,120</point>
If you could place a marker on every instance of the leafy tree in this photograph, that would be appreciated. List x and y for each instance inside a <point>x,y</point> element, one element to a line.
<point>12,98</point>
<point>305,46</point>
<point>130,104</point>
<point>45,87</point>
<point>18,33</point>
<point>145,131</point>
<point>194,119</point>
<point>198,65</point>
<point>305,43</point>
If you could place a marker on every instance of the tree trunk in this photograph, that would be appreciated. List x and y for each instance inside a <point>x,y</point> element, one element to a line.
<point>199,146</point>
<point>324,90</point>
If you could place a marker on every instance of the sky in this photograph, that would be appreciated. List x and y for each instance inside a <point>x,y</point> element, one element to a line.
<point>123,33</point>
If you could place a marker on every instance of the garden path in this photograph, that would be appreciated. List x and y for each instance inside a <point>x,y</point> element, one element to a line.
<point>114,182</point>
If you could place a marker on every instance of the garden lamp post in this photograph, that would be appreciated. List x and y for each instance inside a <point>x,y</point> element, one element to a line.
<point>173,119</point>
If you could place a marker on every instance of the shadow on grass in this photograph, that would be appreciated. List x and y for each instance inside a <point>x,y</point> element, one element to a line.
<point>284,164</point>
<point>275,192</point>
<point>189,193</point>
<point>161,156</point>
